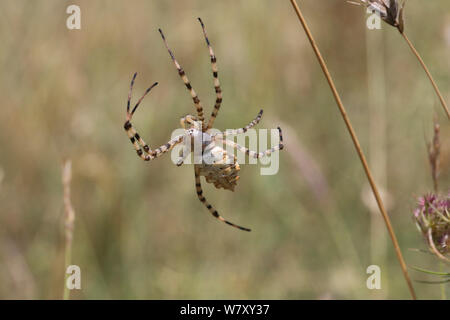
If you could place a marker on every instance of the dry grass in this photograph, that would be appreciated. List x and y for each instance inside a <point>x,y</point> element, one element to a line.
<point>358,148</point>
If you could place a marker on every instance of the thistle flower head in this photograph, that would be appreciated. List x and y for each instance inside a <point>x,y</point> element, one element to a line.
<point>432,216</point>
<point>390,11</point>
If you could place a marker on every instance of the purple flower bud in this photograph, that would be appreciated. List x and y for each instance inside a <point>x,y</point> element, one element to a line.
<point>432,216</point>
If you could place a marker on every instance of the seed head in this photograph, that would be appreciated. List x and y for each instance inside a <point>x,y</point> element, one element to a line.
<point>390,11</point>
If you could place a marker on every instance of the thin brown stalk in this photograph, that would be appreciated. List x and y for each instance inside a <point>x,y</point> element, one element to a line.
<point>69,219</point>
<point>424,66</point>
<point>434,150</point>
<point>434,249</point>
<point>357,147</point>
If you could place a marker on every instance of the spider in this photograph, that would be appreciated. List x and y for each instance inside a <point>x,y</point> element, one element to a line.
<point>218,167</point>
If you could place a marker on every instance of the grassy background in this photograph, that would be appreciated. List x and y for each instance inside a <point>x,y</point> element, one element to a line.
<point>140,230</point>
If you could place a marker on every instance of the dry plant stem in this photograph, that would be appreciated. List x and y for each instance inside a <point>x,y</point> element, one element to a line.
<point>69,218</point>
<point>416,53</point>
<point>357,146</point>
<point>434,150</point>
<point>434,249</point>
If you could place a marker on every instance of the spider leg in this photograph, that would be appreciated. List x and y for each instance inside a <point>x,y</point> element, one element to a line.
<point>240,130</point>
<point>168,146</point>
<point>142,148</point>
<point>183,154</point>
<point>134,137</point>
<point>185,79</point>
<point>216,79</point>
<point>136,141</point>
<point>144,151</point>
<point>192,121</point>
<point>254,154</point>
<point>198,187</point>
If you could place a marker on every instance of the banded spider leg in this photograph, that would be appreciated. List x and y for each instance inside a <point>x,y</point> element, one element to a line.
<point>142,148</point>
<point>201,197</point>
<point>215,72</point>
<point>182,74</point>
<point>251,153</point>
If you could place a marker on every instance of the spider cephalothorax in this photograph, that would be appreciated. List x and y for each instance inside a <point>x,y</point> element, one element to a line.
<point>216,165</point>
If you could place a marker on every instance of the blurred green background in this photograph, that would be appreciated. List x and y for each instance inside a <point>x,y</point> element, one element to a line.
<point>140,231</point>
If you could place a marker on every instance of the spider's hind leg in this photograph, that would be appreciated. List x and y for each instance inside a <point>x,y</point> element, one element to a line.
<point>201,197</point>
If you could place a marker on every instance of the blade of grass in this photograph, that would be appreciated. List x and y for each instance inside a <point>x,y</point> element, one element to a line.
<point>357,147</point>
<point>421,251</point>
<point>436,273</point>
<point>443,286</point>
<point>69,219</point>
<point>433,282</point>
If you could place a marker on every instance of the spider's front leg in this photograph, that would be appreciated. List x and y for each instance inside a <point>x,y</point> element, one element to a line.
<point>142,148</point>
<point>249,152</point>
<point>215,71</point>
<point>191,120</point>
<point>183,76</point>
<point>232,132</point>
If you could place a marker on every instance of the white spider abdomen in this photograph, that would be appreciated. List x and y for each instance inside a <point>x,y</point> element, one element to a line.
<point>219,168</point>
